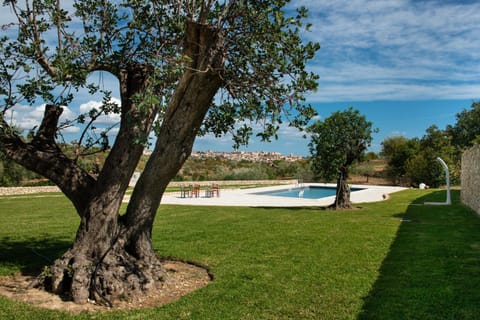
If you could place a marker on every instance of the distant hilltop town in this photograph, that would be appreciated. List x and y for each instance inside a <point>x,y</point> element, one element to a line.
<point>244,155</point>
<point>260,156</point>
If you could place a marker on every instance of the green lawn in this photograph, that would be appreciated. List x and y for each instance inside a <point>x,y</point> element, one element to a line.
<point>279,263</point>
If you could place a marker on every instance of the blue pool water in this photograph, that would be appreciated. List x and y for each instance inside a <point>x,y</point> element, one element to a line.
<point>306,192</point>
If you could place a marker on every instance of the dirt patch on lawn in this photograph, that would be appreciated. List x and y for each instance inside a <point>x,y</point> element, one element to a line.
<point>184,279</point>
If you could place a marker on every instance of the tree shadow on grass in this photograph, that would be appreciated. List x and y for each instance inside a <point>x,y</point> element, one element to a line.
<point>432,270</point>
<point>31,254</point>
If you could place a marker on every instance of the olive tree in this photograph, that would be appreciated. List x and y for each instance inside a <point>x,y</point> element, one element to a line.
<point>183,68</point>
<point>336,143</point>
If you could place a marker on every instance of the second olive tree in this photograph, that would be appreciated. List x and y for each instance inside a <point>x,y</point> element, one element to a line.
<point>336,143</point>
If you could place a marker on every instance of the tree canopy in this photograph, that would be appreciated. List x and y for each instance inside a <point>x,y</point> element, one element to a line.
<point>466,131</point>
<point>337,142</point>
<point>261,57</point>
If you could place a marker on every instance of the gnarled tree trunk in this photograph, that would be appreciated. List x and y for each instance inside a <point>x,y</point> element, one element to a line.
<point>99,265</point>
<point>342,198</point>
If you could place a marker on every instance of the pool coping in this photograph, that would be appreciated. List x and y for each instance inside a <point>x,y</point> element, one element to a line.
<point>250,198</point>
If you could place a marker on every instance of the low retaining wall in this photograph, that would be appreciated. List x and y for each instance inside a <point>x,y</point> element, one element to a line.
<point>136,176</point>
<point>233,182</point>
<point>4,191</point>
<point>8,191</point>
<point>470,194</point>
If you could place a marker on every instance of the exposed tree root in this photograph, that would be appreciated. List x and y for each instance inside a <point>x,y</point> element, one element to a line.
<point>183,278</point>
<point>116,275</point>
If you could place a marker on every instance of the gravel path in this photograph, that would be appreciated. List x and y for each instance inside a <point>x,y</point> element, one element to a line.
<point>27,190</point>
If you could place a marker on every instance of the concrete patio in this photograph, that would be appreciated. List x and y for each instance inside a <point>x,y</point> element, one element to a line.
<point>251,198</point>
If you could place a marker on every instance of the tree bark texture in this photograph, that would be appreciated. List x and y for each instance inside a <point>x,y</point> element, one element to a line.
<point>342,199</point>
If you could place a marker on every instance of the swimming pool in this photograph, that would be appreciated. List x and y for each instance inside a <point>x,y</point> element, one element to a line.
<point>310,192</point>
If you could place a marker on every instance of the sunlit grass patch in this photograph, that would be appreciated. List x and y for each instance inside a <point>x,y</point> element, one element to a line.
<point>384,260</point>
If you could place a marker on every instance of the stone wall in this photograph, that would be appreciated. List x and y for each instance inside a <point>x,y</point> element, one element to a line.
<point>470,194</point>
<point>136,176</point>
<point>28,190</point>
<point>8,191</point>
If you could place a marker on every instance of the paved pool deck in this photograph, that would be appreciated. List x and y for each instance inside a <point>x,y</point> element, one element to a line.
<point>251,198</point>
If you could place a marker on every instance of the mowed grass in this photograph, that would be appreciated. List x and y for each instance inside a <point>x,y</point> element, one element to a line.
<point>396,259</point>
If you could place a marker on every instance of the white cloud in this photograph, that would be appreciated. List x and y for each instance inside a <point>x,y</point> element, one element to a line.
<point>71,130</point>
<point>394,91</point>
<point>67,115</point>
<point>29,117</point>
<point>109,119</point>
<point>112,132</point>
<point>386,50</point>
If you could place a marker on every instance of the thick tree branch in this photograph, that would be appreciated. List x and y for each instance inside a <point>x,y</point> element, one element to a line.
<point>43,156</point>
<point>48,127</point>
<point>182,120</point>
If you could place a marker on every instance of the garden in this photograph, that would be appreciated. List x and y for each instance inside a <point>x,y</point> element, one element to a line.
<point>396,259</point>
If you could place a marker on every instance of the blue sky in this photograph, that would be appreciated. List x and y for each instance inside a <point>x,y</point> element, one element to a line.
<point>404,64</point>
<point>392,118</point>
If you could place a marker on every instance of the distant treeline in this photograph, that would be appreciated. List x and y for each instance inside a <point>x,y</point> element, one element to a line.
<point>413,161</point>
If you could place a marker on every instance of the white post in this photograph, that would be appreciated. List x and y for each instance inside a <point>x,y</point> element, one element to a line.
<point>447,174</point>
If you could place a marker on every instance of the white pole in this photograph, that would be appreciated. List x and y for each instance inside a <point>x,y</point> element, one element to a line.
<point>447,174</point>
